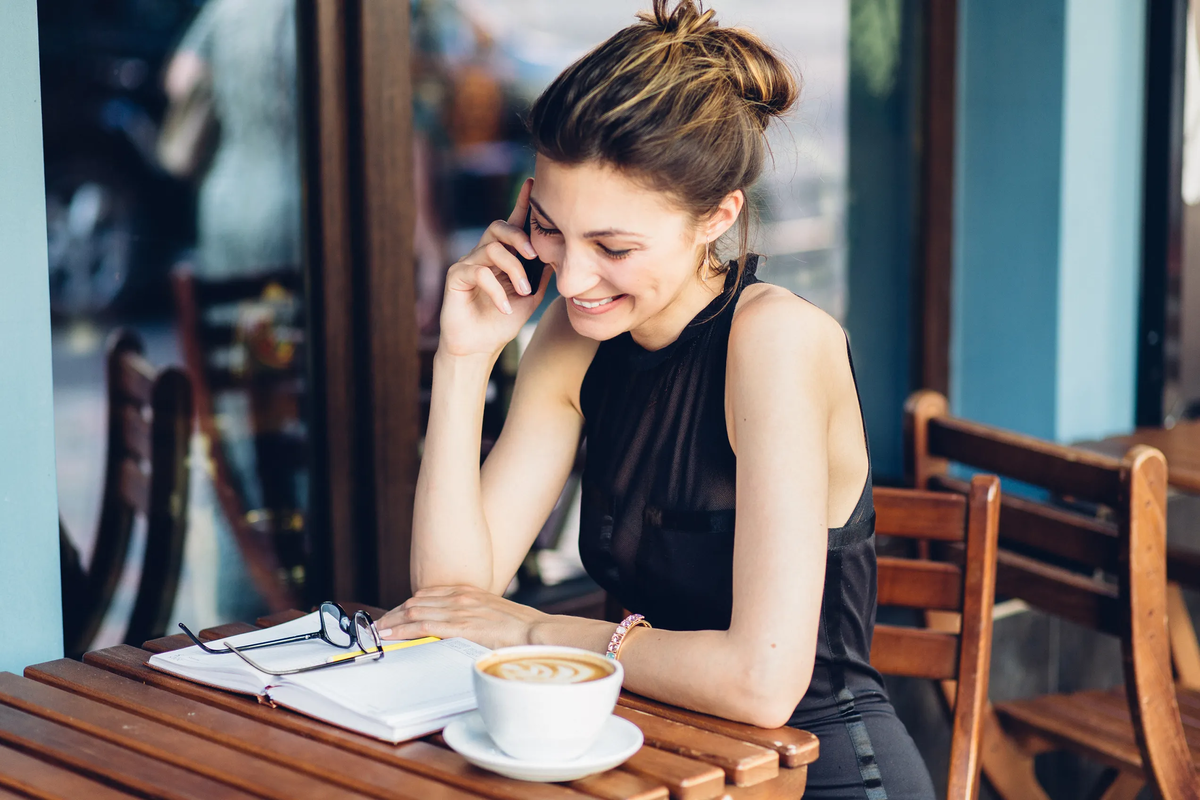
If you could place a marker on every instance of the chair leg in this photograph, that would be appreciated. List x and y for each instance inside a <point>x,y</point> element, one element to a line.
<point>1117,785</point>
<point>1007,767</point>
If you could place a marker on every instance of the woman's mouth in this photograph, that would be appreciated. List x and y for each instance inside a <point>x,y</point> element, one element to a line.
<point>598,305</point>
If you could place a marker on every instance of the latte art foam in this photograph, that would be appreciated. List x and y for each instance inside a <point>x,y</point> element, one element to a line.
<point>547,669</point>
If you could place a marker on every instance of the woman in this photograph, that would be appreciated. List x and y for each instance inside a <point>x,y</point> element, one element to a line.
<point>700,390</point>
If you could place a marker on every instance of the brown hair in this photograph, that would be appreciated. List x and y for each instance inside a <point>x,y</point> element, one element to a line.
<point>674,101</point>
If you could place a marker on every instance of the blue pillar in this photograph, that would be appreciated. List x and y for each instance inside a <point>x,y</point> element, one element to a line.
<point>1048,215</point>
<point>31,622</point>
<point>883,100</point>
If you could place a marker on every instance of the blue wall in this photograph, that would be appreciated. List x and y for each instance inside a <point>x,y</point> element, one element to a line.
<point>1005,291</point>
<point>1048,215</point>
<point>1100,246</point>
<point>31,625</point>
<point>880,213</point>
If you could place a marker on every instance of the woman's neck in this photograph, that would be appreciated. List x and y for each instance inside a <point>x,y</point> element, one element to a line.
<point>664,327</point>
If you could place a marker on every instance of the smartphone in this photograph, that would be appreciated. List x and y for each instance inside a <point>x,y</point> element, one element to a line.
<point>533,266</point>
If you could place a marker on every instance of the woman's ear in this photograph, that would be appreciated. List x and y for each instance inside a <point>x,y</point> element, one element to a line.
<point>724,216</point>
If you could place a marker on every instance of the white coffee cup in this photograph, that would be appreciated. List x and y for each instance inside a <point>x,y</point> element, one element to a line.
<point>545,709</point>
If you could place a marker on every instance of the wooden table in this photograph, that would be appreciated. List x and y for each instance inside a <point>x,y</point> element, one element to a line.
<point>113,727</point>
<point>1180,444</point>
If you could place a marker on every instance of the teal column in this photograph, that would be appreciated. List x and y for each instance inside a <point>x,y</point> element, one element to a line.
<point>31,622</point>
<point>883,105</point>
<point>1100,212</point>
<point>1048,215</point>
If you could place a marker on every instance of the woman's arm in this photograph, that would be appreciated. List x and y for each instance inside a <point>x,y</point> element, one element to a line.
<point>473,526</point>
<point>788,379</point>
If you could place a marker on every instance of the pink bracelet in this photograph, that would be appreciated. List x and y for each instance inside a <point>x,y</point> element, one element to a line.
<point>618,637</point>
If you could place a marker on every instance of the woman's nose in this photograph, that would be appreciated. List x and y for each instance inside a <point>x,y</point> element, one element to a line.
<point>574,275</point>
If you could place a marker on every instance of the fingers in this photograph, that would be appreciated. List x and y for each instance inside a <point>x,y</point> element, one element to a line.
<point>521,209</point>
<point>510,265</point>
<point>511,235</point>
<point>403,631</point>
<point>489,284</point>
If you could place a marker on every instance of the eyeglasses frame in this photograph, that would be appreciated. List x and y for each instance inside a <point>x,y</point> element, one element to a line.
<point>320,633</point>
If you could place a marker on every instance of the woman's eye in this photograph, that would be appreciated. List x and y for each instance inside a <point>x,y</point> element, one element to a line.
<point>615,253</point>
<point>543,231</point>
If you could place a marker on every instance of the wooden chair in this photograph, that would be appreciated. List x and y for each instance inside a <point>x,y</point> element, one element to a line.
<point>962,655</point>
<point>1092,550</point>
<point>146,474</point>
<point>226,355</point>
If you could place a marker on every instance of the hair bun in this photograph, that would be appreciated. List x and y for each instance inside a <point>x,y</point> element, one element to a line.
<point>687,19</point>
<point>758,76</point>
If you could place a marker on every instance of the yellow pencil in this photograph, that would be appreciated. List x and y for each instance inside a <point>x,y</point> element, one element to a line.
<point>387,648</point>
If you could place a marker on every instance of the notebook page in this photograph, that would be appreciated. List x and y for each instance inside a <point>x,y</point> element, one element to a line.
<point>423,682</point>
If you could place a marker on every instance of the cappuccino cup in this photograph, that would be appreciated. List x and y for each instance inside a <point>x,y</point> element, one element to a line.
<point>546,703</point>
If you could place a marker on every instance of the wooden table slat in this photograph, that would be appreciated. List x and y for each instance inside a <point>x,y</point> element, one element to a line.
<point>166,744</point>
<point>280,617</point>
<point>790,783</point>
<point>162,644</point>
<point>796,748</point>
<point>685,778</point>
<point>106,761</point>
<point>131,663</point>
<point>294,752</point>
<point>226,630</point>
<point>617,784</point>
<point>449,762</point>
<point>44,781</point>
<point>744,764</point>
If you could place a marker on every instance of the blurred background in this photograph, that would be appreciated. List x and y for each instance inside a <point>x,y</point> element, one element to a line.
<point>998,200</point>
<point>120,82</point>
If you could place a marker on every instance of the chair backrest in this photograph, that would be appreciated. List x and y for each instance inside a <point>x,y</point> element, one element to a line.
<point>146,474</point>
<point>966,589</point>
<point>1088,544</point>
<point>219,343</point>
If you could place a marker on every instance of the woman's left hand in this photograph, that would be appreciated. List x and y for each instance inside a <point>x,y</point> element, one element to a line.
<point>466,611</point>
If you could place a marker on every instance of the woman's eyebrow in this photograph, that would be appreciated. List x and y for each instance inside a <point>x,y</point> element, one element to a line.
<point>589,234</point>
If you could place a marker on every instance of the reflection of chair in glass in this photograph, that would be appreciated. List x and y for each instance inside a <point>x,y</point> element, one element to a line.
<point>146,473</point>
<point>243,341</point>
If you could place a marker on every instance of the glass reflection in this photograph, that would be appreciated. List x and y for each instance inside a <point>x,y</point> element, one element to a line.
<point>172,151</point>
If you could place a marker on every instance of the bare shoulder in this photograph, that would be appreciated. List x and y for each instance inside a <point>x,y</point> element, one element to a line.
<point>772,323</point>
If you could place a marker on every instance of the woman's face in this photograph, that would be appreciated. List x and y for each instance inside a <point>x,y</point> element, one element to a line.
<point>624,256</point>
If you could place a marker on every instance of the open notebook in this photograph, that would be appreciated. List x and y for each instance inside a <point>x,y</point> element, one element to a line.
<point>405,694</point>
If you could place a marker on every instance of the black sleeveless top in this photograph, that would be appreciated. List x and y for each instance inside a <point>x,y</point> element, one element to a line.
<point>658,510</point>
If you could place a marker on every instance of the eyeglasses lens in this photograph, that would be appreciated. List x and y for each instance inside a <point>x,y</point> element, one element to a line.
<point>368,636</point>
<point>337,625</point>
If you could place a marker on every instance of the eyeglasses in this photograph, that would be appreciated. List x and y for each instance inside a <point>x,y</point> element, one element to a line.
<point>337,628</point>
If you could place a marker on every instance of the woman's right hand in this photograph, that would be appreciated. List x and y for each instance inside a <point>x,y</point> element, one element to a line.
<point>487,296</point>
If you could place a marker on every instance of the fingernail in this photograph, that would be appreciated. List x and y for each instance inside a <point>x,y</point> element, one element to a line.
<point>507,308</point>
<point>529,251</point>
<point>525,287</point>
<point>385,633</point>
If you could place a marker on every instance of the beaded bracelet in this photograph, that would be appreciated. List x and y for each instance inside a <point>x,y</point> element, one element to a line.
<point>618,637</point>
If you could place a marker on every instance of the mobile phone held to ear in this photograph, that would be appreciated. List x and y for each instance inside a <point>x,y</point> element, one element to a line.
<point>533,266</point>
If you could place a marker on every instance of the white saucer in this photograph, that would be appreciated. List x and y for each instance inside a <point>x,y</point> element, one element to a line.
<point>619,739</point>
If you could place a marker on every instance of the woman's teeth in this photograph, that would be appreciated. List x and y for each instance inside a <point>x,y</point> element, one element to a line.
<point>597,304</point>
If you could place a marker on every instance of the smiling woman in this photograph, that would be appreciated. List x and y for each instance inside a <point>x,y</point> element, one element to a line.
<point>727,492</point>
